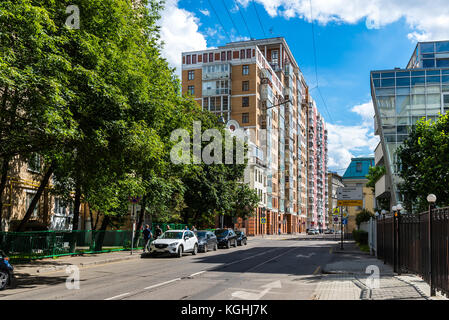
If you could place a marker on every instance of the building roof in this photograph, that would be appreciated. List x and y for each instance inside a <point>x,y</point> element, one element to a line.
<point>358,168</point>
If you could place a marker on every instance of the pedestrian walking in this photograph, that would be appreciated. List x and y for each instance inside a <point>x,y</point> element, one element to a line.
<point>147,235</point>
<point>279,230</point>
<point>193,229</point>
<point>157,232</point>
<point>186,228</point>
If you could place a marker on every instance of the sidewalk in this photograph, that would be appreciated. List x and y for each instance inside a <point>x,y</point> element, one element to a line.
<point>346,279</point>
<point>49,265</point>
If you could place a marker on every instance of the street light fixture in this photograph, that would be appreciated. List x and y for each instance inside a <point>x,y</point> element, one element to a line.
<point>431,198</point>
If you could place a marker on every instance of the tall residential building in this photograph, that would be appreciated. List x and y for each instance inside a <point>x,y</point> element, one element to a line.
<point>355,176</point>
<point>317,167</point>
<point>257,85</point>
<point>403,96</point>
<point>334,182</point>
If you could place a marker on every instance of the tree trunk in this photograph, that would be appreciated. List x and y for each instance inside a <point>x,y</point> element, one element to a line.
<point>4,176</point>
<point>76,214</point>
<point>76,209</point>
<point>101,235</point>
<point>36,197</point>
<point>140,221</point>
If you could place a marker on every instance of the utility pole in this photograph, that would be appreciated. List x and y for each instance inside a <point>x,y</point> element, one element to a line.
<point>341,227</point>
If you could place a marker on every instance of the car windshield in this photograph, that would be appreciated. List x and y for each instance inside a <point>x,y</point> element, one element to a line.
<point>201,234</point>
<point>171,235</point>
<point>221,232</point>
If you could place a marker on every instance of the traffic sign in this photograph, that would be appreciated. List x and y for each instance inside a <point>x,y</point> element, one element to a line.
<point>336,218</point>
<point>345,215</point>
<point>350,197</point>
<point>134,200</point>
<point>345,221</point>
<point>350,203</point>
<point>336,211</point>
<point>263,220</point>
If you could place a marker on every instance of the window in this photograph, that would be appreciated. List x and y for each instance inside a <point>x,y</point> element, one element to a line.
<point>205,103</point>
<point>211,57</point>
<point>34,163</point>
<point>191,75</point>
<point>245,101</point>
<point>223,56</point>
<point>242,54</point>
<point>188,59</point>
<point>60,207</point>
<point>225,103</point>
<point>359,167</point>
<point>229,55</point>
<point>191,90</point>
<point>245,70</point>
<point>29,198</point>
<point>248,53</point>
<point>194,59</point>
<point>205,57</point>
<point>245,117</point>
<point>245,85</point>
<point>274,55</point>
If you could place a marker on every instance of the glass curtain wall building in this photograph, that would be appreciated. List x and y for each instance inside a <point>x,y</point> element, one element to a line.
<point>401,97</point>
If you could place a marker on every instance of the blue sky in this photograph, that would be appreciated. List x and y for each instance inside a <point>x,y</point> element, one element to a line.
<point>348,48</point>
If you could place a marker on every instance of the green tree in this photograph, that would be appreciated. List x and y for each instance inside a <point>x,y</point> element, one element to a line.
<point>424,163</point>
<point>363,216</point>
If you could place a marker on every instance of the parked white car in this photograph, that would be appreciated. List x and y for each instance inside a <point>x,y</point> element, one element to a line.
<point>175,242</point>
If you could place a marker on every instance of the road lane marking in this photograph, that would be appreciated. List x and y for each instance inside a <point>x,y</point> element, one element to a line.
<point>261,264</point>
<point>120,295</point>
<point>197,273</point>
<point>317,270</point>
<point>161,284</point>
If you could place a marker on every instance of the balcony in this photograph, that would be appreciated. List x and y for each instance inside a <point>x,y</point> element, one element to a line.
<point>378,155</point>
<point>381,187</point>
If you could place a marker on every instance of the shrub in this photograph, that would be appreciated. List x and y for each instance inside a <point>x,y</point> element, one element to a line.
<point>360,236</point>
<point>363,216</point>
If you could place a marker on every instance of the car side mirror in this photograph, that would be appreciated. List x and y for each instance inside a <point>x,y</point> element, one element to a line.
<point>186,238</point>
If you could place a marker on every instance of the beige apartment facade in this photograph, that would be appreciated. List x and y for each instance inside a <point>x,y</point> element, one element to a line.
<point>258,86</point>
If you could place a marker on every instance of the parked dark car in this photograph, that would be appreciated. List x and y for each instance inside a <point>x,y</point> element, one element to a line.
<point>241,238</point>
<point>207,240</point>
<point>226,238</point>
<point>6,271</point>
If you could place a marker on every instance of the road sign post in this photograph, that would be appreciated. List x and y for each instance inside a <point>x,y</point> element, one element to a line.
<point>348,197</point>
<point>134,201</point>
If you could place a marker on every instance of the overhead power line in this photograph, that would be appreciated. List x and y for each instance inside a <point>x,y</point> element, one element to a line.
<point>258,17</point>
<point>243,18</point>
<point>230,17</point>
<point>218,18</point>
<point>316,63</point>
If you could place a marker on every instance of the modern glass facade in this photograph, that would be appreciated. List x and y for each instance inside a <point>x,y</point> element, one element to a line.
<point>403,96</point>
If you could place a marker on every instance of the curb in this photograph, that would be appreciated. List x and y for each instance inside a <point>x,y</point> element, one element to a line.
<point>84,264</point>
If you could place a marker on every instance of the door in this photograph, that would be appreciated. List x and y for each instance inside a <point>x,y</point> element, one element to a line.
<point>188,241</point>
<point>191,240</point>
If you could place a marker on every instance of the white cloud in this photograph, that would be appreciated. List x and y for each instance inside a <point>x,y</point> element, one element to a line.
<point>205,12</point>
<point>346,141</point>
<point>179,32</point>
<point>428,20</point>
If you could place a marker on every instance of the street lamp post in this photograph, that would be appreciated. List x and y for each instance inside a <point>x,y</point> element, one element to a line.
<point>398,228</point>
<point>383,212</point>
<point>431,198</point>
<point>394,209</point>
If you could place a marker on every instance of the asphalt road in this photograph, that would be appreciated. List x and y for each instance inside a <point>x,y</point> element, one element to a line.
<point>264,269</point>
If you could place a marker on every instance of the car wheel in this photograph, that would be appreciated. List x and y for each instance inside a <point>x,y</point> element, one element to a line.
<point>4,278</point>
<point>180,250</point>
<point>215,247</point>
<point>205,248</point>
<point>228,244</point>
<point>244,242</point>
<point>195,249</point>
<point>235,243</point>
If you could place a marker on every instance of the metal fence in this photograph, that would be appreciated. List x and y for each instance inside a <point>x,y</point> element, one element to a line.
<point>25,246</point>
<point>403,241</point>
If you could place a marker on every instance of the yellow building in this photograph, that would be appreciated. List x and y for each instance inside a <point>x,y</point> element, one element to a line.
<point>355,176</point>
